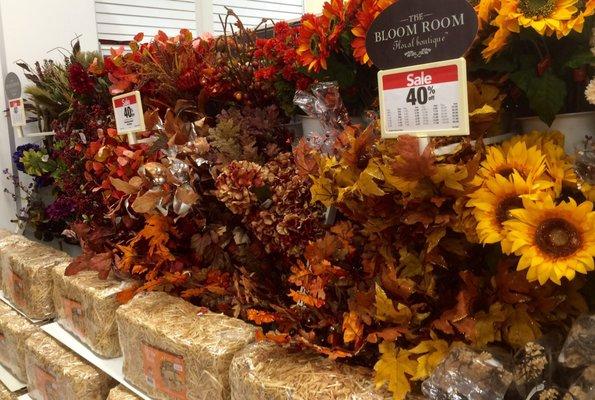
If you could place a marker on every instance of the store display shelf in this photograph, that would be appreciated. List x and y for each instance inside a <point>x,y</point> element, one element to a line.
<point>10,381</point>
<point>112,367</point>
<point>9,303</point>
<point>25,397</point>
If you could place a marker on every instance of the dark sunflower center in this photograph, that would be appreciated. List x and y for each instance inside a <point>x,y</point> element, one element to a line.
<point>506,172</point>
<point>314,44</point>
<point>537,8</point>
<point>558,237</point>
<point>504,207</point>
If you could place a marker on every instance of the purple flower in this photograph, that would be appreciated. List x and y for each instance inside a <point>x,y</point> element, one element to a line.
<point>60,209</point>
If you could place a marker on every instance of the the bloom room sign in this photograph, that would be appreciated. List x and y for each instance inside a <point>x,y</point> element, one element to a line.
<point>412,32</point>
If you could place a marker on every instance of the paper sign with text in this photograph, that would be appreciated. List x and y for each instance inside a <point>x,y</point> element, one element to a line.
<point>165,372</point>
<point>128,110</point>
<point>17,112</point>
<point>424,100</point>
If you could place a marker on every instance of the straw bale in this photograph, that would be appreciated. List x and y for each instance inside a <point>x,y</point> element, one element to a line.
<point>266,371</point>
<point>86,306</point>
<point>27,279</point>
<point>121,393</point>
<point>184,351</point>
<point>5,308</point>
<point>14,331</point>
<point>6,394</point>
<point>11,243</point>
<point>56,373</point>
<point>4,233</point>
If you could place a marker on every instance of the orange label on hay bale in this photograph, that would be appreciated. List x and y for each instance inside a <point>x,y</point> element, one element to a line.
<point>165,372</point>
<point>46,386</point>
<point>17,288</point>
<point>74,316</point>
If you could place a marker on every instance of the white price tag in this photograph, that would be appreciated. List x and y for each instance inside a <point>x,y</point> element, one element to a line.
<point>17,112</point>
<point>128,110</point>
<point>424,100</point>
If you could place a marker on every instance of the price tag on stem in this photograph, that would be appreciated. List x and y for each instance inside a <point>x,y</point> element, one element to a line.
<point>128,110</point>
<point>17,112</point>
<point>424,100</point>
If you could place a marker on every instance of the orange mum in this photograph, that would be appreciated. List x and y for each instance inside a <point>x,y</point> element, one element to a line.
<point>364,18</point>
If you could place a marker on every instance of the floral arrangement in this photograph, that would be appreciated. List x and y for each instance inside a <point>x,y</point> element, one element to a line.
<point>486,245</point>
<point>542,50</point>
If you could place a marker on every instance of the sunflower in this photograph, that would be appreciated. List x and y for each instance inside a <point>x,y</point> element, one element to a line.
<point>528,162</point>
<point>363,19</point>
<point>585,9</point>
<point>493,204</point>
<point>544,16</point>
<point>536,138</point>
<point>313,46</point>
<point>336,13</point>
<point>554,241</point>
<point>495,43</point>
<point>484,9</point>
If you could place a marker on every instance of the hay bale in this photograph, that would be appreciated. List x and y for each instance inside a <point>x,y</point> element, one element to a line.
<point>56,373</point>
<point>4,233</point>
<point>27,279</point>
<point>86,306</point>
<point>11,243</point>
<point>4,308</point>
<point>121,393</point>
<point>266,371</point>
<point>6,394</point>
<point>14,331</point>
<point>175,350</point>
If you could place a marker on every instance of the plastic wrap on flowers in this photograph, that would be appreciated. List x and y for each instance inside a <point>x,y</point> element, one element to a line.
<point>467,374</point>
<point>14,331</point>
<point>27,279</point>
<point>326,105</point>
<point>174,350</point>
<point>584,387</point>
<point>55,373</point>
<point>579,348</point>
<point>535,363</point>
<point>121,393</point>
<point>266,371</point>
<point>86,306</point>
<point>6,394</point>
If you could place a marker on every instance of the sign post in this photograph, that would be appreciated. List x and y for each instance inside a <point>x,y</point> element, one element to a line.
<point>128,110</point>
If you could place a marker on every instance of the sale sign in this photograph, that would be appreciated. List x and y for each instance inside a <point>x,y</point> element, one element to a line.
<point>424,100</point>
<point>128,110</point>
<point>17,112</point>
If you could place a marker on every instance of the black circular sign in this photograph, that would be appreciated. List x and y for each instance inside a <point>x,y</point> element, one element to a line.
<point>12,86</point>
<point>412,32</point>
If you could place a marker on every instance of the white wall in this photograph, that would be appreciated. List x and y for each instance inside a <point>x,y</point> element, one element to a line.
<point>314,6</point>
<point>30,29</point>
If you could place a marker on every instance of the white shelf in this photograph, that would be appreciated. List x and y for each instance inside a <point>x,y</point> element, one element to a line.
<point>10,381</point>
<point>112,367</point>
<point>24,397</point>
<point>9,303</point>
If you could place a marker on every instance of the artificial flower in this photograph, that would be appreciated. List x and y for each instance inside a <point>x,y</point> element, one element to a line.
<point>585,9</point>
<point>544,16</point>
<point>364,18</point>
<point>313,46</point>
<point>494,201</point>
<point>590,91</point>
<point>554,241</point>
<point>485,101</point>
<point>528,162</point>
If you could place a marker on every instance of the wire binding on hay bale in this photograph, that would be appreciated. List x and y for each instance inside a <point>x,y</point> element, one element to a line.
<point>27,279</point>
<point>266,371</point>
<point>86,306</point>
<point>174,350</point>
<point>14,330</point>
<point>55,373</point>
<point>121,393</point>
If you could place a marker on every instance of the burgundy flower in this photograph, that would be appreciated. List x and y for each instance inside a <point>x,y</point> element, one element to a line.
<point>79,79</point>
